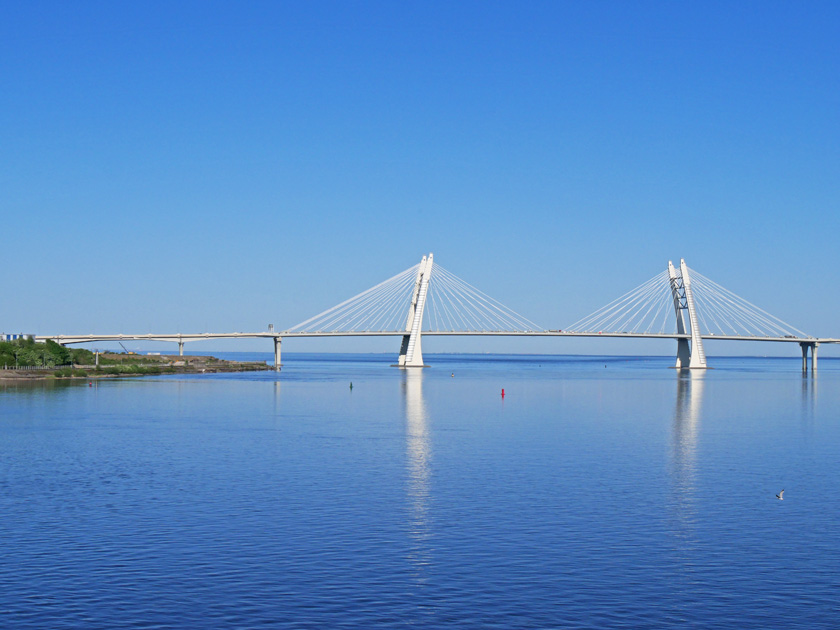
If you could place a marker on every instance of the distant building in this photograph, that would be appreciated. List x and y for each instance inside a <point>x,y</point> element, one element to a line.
<point>12,337</point>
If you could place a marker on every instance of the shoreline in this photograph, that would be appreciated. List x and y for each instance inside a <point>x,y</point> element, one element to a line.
<point>125,365</point>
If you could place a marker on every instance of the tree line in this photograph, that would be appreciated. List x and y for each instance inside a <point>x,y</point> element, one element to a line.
<point>26,352</point>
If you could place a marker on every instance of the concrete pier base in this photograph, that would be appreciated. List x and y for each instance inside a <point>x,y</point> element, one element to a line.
<point>277,344</point>
<point>805,345</point>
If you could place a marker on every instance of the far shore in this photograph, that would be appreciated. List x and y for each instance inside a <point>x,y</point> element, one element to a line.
<point>114,365</point>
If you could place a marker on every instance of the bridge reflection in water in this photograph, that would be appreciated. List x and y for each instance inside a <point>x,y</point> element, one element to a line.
<point>685,432</point>
<point>809,402</point>
<point>418,462</point>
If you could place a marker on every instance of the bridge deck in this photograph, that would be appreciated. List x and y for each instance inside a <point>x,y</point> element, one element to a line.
<point>185,337</point>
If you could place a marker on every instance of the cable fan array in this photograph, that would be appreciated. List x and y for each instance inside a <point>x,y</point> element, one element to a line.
<point>721,312</point>
<point>383,307</point>
<point>452,305</point>
<point>649,309</point>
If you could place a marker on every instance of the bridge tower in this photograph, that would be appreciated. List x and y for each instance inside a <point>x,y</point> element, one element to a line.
<point>691,356</point>
<point>411,353</point>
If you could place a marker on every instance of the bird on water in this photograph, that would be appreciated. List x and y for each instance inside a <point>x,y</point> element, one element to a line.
<point>781,496</point>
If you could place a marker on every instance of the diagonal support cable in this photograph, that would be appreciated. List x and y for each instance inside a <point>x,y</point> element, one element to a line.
<point>371,310</point>
<point>457,306</point>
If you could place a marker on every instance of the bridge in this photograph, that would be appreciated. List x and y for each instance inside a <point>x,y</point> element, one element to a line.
<point>427,300</point>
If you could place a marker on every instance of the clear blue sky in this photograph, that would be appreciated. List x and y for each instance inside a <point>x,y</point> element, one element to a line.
<point>222,165</point>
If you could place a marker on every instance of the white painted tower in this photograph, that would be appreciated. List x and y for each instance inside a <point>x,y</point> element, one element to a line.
<point>688,356</point>
<point>411,352</point>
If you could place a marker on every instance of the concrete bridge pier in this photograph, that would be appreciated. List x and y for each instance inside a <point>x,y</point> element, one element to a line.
<point>180,348</point>
<point>277,343</point>
<point>813,345</point>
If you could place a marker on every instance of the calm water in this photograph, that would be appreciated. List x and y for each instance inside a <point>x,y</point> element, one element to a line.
<point>599,493</point>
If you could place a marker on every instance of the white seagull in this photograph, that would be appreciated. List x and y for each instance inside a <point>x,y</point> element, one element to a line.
<point>781,496</point>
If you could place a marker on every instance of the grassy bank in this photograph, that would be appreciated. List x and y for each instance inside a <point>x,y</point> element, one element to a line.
<point>28,359</point>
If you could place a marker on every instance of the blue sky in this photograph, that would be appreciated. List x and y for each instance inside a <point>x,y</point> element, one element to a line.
<point>219,166</point>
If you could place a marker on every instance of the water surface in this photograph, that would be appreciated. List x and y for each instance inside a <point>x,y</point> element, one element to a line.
<point>598,493</point>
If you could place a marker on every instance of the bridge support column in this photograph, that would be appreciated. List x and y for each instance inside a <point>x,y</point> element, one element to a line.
<point>688,356</point>
<point>813,345</point>
<point>411,353</point>
<point>683,353</point>
<point>180,348</point>
<point>277,342</point>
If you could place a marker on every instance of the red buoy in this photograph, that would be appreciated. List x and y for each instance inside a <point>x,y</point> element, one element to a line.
<point>503,392</point>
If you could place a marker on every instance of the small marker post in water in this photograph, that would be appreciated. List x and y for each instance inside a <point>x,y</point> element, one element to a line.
<point>351,386</point>
<point>503,392</point>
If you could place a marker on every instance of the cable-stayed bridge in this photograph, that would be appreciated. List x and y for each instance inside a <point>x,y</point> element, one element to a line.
<point>427,300</point>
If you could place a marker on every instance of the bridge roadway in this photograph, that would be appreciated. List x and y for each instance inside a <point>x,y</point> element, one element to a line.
<point>185,337</point>
<point>181,338</point>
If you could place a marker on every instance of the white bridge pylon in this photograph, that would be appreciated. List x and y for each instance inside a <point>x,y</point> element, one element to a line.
<point>411,354</point>
<point>436,300</point>
<point>687,356</point>
<point>703,309</point>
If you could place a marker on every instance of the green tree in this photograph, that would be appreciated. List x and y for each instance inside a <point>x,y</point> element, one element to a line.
<point>58,354</point>
<point>81,356</point>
